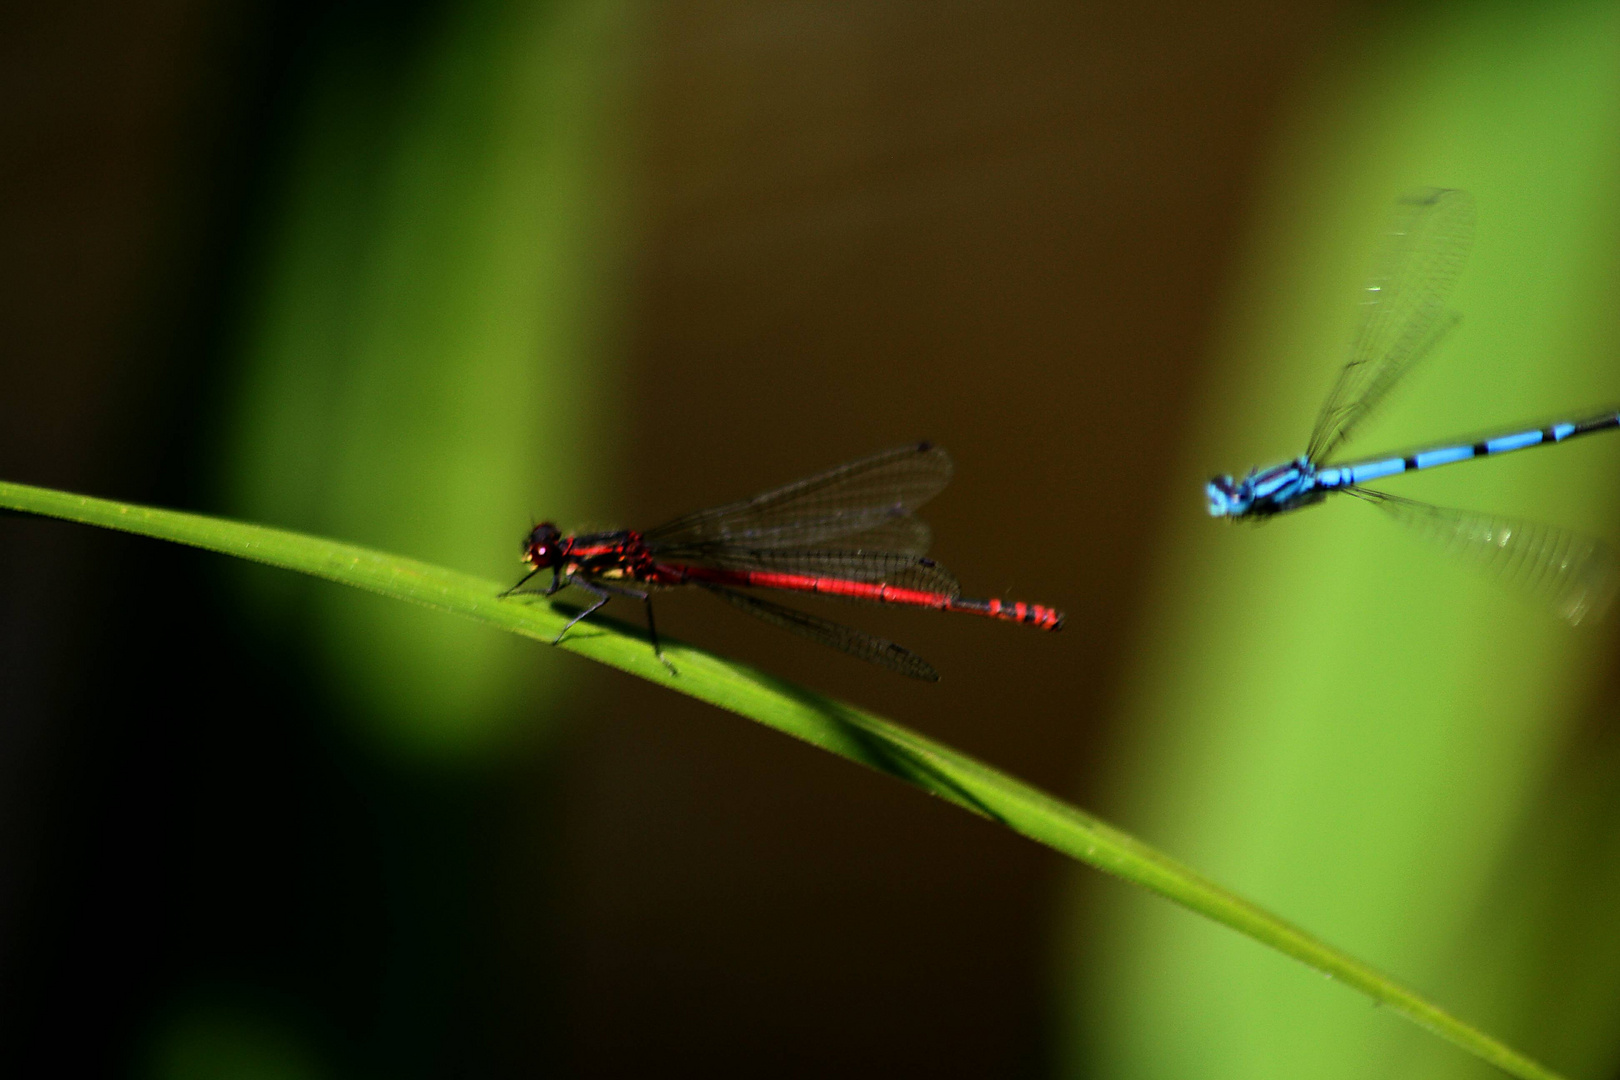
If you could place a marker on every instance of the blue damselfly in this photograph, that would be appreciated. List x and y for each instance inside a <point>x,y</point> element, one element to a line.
<point>1403,318</point>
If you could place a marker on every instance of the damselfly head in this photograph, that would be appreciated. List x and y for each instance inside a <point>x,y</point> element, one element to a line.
<point>541,549</point>
<point>1229,497</point>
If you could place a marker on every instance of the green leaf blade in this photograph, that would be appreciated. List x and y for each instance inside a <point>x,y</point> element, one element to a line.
<point>833,726</point>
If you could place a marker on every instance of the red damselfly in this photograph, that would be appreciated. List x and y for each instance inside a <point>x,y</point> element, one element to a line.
<point>848,532</point>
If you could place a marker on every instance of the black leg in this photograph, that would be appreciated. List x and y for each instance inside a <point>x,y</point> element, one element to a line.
<point>605,592</point>
<point>652,632</point>
<point>519,585</point>
<point>602,597</point>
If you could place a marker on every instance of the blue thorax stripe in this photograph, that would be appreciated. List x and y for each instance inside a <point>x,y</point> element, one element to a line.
<point>1275,483</point>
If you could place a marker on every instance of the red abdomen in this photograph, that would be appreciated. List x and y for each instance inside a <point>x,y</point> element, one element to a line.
<point>875,592</point>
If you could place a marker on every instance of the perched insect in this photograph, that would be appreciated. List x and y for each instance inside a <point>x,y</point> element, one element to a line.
<point>1403,317</point>
<point>848,532</point>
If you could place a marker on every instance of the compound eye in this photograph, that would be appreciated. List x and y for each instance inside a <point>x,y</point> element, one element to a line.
<point>540,549</point>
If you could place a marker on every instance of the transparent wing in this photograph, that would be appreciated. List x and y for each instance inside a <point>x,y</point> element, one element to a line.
<point>892,567</point>
<point>1577,575</point>
<point>1403,313</point>
<point>900,541</point>
<point>871,499</point>
<point>847,639</point>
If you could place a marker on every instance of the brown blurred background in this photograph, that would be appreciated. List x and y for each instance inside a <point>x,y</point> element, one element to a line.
<point>844,228</point>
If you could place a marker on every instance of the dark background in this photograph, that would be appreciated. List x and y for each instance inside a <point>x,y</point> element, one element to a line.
<point>1008,231</point>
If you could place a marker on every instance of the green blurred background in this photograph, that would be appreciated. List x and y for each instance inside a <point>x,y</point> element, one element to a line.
<point>415,275</point>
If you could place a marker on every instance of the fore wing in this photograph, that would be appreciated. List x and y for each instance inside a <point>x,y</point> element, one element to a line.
<point>853,522</point>
<point>1403,313</point>
<point>874,496</point>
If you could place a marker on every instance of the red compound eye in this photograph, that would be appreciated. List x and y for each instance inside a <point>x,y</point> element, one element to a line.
<point>540,550</point>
